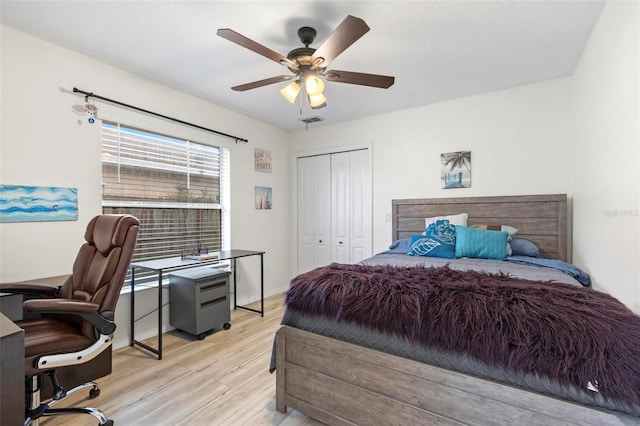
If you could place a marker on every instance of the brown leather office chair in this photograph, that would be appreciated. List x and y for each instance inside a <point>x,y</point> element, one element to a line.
<point>76,322</point>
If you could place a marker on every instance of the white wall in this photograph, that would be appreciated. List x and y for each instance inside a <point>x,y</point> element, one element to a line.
<point>606,157</point>
<point>44,143</point>
<point>518,140</point>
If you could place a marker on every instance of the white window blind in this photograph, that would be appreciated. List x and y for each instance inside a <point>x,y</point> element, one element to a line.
<point>173,186</point>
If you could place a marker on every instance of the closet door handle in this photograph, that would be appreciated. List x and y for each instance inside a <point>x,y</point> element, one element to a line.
<point>320,241</point>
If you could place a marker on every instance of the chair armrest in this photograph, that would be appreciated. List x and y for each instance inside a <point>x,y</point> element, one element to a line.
<point>70,306</point>
<point>86,310</point>
<point>33,289</point>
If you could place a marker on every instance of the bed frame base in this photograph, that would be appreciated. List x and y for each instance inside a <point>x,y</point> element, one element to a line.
<point>340,383</point>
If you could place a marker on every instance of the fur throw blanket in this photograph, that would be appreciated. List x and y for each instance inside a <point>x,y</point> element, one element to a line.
<point>574,335</point>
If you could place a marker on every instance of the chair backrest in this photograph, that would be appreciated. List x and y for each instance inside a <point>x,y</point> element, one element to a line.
<point>102,263</point>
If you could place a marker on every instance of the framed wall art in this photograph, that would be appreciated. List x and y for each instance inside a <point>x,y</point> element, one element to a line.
<point>263,198</point>
<point>37,203</point>
<point>455,169</point>
<point>262,159</point>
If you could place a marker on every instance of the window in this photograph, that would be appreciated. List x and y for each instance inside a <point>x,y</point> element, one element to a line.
<point>177,188</point>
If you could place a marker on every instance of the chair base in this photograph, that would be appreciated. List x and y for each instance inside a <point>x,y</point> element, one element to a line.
<point>37,409</point>
<point>79,410</point>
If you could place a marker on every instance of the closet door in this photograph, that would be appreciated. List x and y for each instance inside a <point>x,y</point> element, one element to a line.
<point>340,207</point>
<point>360,206</point>
<point>314,212</point>
<point>350,206</point>
<point>333,209</point>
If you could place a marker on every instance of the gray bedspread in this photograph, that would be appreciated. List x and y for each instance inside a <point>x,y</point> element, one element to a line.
<point>527,272</point>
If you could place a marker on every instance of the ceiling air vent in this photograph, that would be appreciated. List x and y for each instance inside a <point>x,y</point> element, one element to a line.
<point>311,120</point>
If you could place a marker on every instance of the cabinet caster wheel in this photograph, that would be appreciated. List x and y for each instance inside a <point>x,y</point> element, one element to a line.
<point>202,336</point>
<point>94,393</point>
<point>226,326</point>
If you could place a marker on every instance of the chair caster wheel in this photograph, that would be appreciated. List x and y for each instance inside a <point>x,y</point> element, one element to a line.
<point>94,393</point>
<point>109,422</point>
<point>226,326</point>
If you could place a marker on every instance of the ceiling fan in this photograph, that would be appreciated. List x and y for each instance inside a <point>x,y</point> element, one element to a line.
<point>308,64</point>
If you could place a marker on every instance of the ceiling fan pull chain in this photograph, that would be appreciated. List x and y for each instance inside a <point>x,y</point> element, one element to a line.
<point>300,98</point>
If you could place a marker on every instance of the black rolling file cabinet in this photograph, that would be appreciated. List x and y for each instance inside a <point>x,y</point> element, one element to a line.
<point>199,300</point>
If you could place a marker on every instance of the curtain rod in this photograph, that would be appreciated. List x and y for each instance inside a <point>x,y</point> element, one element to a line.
<point>93,95</point>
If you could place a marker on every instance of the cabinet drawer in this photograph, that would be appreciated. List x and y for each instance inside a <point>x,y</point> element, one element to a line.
<point>207,290</point>
<point>212,312</point>
<point>223,299</point>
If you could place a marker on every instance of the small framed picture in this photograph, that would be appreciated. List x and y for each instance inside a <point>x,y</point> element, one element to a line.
<point>263,198</point>
<point>262,160</point>
<point>455,169</point>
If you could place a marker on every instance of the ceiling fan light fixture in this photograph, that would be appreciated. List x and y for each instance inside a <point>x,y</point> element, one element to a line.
<point>290,91</point>
<point>317,101</point>
<point>313,85</point>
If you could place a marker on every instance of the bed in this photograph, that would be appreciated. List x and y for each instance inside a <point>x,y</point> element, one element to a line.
<point>345,373</point>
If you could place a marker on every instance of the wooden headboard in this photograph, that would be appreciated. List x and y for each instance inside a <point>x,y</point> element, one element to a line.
<point>538,218</point>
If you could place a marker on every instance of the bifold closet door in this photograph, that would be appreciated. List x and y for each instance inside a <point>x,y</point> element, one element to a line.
<point>340,207</point>
<point>333,209</point>
<point>360,206</point>
<point>350,206</point>
<point>314,212</point>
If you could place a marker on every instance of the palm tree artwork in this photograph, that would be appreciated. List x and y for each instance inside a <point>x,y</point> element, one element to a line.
<point>456,169</point>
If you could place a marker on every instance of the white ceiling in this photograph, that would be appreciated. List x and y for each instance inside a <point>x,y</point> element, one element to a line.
<point>437,50</point>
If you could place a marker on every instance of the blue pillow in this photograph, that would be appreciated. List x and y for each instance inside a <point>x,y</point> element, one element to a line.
<point>480,243</point>
<point>400,246</point>
<point>439,242</point>
<point>522,247</point>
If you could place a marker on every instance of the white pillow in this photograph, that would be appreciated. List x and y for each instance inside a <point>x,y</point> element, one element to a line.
<point>509,230</point>
<point>456,219</point>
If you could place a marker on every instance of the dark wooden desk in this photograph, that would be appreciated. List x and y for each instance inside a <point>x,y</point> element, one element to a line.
<point>160,266</point>
<point>11,372</point>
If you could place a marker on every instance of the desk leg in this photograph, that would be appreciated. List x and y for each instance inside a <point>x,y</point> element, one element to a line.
<point>160,315</point>
<point>262,285</point>
<point>132,340</point>
<point>235,282</point>
<point>235,306</point>
<point>132,308</point>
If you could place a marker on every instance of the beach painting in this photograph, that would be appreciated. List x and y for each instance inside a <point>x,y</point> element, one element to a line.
<point>37,203</point>
<point>455,169</point>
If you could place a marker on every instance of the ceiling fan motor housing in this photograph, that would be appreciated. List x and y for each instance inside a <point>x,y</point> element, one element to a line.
<point>307,35</point>
<point>302,55</point>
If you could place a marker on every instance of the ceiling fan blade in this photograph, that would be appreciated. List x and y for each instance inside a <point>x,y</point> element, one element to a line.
<point>373,80</point>
<point>347,33</point>
<point>247,43</point>
<point>260,83</point>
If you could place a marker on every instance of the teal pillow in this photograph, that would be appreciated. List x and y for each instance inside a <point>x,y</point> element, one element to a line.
<point>480,243</point>
<point>439,241</point>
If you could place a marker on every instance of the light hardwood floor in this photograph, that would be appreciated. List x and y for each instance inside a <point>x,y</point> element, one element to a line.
<point>221,380</point>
